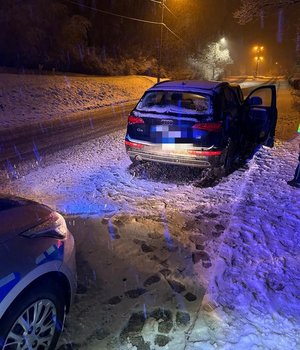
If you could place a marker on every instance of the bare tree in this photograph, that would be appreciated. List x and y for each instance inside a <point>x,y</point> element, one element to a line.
<point>251,9</point>
<point>213,60</point>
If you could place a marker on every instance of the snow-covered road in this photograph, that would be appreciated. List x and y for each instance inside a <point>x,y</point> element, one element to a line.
<point>151,246</point>
<point>151,242</point>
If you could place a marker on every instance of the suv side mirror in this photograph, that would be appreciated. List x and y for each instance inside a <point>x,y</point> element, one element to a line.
<point>255,101</point>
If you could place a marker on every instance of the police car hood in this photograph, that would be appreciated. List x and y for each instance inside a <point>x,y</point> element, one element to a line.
<point>18,215</point>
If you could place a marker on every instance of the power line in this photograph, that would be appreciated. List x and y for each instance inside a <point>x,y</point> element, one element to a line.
<point>113,14</point>
<point>160,3</point>
<point>171,31</point>
<point>172,13</point>
<point>125,17</point>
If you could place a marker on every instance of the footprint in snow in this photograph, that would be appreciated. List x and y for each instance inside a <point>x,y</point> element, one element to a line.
<point>204,257</point>
<point>114,300</point>
<point>151,280</point>
<point>176,286</point>
<point>135,293</point>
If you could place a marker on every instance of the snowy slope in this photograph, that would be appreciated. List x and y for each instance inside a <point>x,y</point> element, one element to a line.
<point>35,98</point>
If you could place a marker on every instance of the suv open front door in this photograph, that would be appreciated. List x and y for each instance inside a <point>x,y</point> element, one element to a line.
<point>261,115</point>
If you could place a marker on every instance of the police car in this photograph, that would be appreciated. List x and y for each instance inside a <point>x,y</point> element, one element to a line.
<point>37,274</point>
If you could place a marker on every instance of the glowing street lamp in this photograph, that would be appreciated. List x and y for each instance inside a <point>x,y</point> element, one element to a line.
<point>223,41</point>
<point>258,58</point>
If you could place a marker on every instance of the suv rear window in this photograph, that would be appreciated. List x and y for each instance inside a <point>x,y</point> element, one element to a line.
<point>175,102</point>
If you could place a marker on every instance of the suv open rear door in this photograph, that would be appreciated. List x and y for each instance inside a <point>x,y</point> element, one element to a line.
<point>261,115</point>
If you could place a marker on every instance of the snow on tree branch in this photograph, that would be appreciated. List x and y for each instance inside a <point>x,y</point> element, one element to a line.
<point>251,9</point>
<point>212,61</point>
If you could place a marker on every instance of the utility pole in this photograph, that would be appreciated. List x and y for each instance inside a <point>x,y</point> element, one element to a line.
<point>161,40</point>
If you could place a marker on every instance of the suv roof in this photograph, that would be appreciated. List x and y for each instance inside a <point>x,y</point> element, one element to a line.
<point>188,85</point>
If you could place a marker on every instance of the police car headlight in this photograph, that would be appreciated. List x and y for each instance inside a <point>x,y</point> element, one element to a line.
<point>54,226</point>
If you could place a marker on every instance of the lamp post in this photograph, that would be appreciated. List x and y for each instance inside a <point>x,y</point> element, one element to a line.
<point>161,40</point>
<point>258,58</point>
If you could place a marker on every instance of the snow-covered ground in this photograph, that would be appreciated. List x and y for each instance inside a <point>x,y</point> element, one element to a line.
<point>151,244</point>
<point>253,298</point>
<point>35,98</point>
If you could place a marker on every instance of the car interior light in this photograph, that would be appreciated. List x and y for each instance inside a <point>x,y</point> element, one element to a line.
<point>135,120</point>
<point>208,126</point>
<point>54,226</point>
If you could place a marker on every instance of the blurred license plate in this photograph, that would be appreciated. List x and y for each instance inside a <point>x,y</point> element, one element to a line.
<point>166,131</point>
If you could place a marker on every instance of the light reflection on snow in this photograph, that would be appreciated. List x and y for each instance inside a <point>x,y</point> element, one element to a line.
<point>85,207</point>
<point>10,169</point>
<point>67,81</point>
<point>166,230</point>
<point>111,230</point>
<point>36,152</point>
<point>145,311</point>
<point>17,152</point>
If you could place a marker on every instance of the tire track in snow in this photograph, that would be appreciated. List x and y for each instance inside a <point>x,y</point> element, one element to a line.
<point>255,269</point>
<point>245,178</point>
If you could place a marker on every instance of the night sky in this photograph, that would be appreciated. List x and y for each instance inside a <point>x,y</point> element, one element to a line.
<point>76,36</point>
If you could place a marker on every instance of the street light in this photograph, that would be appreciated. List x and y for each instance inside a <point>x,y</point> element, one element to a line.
<point>258,50</point>
<point>223,41</point>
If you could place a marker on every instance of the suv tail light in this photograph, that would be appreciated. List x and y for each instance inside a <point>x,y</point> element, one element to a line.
<point>135,120</point>
<point>205,153</point>
<point>213,127</point>
<point>133,144</point>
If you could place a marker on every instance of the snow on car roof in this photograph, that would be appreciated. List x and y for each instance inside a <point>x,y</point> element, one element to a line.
<point>187,85</point>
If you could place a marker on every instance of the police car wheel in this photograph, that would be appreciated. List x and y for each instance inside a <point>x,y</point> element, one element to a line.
<point>34,321</point>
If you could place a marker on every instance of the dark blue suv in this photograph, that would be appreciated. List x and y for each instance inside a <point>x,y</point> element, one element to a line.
<point>199,123</point>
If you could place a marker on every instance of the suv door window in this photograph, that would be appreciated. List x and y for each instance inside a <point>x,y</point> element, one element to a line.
<point>261,115</point>
<point>266,97</point>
